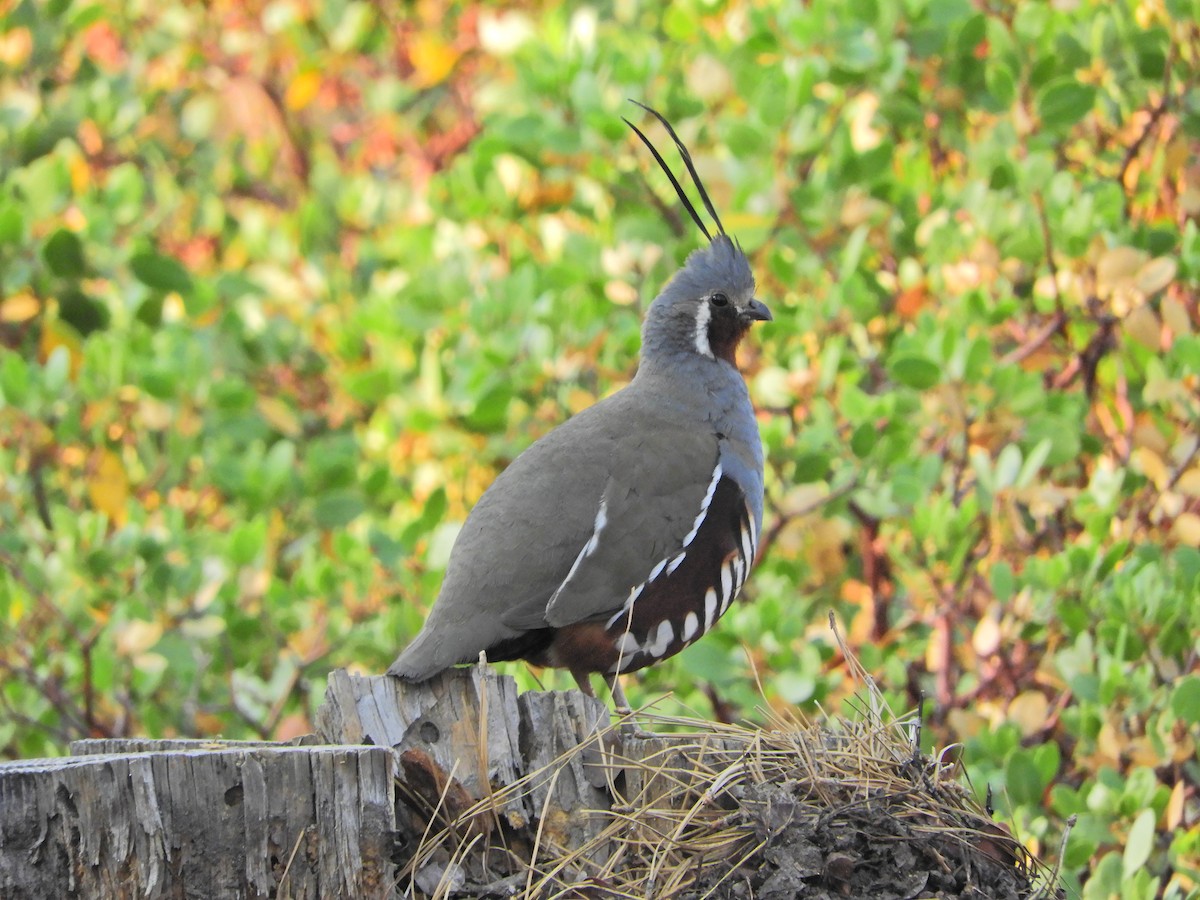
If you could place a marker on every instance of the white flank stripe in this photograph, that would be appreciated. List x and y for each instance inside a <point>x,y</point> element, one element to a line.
<point>691,623</point>
<point>747,546</point>
<point>753,533</point>
<point>703,316</point>
<point>627,645</point>
<point>726,586</point>
<point>627,606</point>
<point>675,563</point>
<point>708,495</point>
<point>657,643</point>
<point>657,570</point>
<point>739,574</point>
<point>710,608</point>
<point>593,542</point>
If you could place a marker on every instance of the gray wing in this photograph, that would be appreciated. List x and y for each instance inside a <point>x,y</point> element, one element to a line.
<point>653,497</point>
<point>527,532</point>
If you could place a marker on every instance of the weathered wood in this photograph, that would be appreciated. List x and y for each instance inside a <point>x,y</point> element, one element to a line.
<point>474,729</point>
<point>464,736</point>
<point>473,791</point>
<point>94,746</point>
<point>252,822</point>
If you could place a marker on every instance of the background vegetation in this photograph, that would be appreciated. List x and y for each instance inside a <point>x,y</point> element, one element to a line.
<point>283,286</point>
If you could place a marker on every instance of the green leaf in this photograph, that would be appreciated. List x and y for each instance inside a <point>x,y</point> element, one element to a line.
<point>163,273</point>
<point>83,313</point>
<point>1003,581</point>
<point>63,253</point>
<point>247,541</point>
<point>1185,699</point>
<point>1139,843</point>
<point>1064,102</point>
<point>1025,784</point>
<point>56,371</point>
<point>915,371</point>
<point>12,225</point>
<point>811,467</point>
<point>1008,464</point>
<point>338,509</point>
<point>1033,463</point>
<point>863,440</point>
<point>14,379</point>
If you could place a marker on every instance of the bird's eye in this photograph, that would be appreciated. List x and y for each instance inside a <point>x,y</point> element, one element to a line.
<point>719,299</point>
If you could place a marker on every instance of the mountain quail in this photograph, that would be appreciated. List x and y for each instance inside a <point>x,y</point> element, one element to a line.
<point>621,536</point>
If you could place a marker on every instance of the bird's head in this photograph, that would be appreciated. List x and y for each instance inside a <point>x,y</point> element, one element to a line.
<point>709,304</point>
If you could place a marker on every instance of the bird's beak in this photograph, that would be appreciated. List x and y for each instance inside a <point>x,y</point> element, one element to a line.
<point>757,311</point>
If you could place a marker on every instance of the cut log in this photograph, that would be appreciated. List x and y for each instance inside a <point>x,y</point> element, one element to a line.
<point>459,787</point>
<point>253,822</point>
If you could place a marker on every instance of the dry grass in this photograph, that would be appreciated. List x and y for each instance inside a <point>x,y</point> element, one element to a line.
<point>843,807</point>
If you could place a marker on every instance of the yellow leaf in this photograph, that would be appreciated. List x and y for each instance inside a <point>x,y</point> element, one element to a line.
<point>432,59</point>
<point>1029,711</point>
<point>280,416</point>
<point>150,663</point>
<point>1143,326</point>
<point>1186,529</point>
<point>1109,745</point>
<point>1155,275</point>
<point>1174,811</point>
<point>1189,483</point>
<point>1151,465</point>
<point>302,90</point>
<point>986,639</point>
<point>138,636</point>
<point>81,174</point>
<point>15,47</point>
<point>1117,267</point>
<point>53,337</point>
<point>108,487</point>
<point>19,308</point>
<point>965,723</point>
<point>1175,314</point>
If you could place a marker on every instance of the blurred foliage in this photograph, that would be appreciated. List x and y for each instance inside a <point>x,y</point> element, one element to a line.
<point>283,286</point>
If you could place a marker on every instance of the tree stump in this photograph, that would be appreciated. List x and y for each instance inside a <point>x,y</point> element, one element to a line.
<point>461,788</point>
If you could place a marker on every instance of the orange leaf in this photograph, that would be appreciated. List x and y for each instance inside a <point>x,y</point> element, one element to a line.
<point>432,59</point>
<point>19,308</point>
<point>108,487</point>
<point>302,90</point>
<point>910,301</point>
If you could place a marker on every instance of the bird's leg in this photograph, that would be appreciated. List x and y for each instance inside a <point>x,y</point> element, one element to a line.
<point>629,726</point>
<point>618,694</point>
<point>584,682</point>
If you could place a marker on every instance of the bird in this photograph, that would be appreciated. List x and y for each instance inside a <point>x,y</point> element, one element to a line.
<point>623,535</point>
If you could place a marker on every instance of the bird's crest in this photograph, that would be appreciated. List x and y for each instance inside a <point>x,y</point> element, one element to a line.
<point>691,167</point>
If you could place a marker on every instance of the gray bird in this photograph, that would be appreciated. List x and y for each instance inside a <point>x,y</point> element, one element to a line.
<point>621,536</point>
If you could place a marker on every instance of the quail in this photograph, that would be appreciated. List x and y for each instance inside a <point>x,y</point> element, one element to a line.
<point>623,535</point>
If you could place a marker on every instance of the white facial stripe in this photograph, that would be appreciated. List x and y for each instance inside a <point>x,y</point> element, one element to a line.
<point>708,495</point>
<point>691,623</point>
<point>703,317</point>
